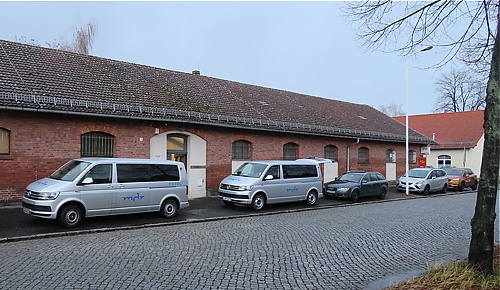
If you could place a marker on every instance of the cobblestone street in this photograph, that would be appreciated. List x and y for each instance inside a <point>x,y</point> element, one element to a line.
<point>359,246</point>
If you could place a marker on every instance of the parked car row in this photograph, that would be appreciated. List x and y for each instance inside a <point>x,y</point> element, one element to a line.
<point>88,187</point>
<point>426,180</point>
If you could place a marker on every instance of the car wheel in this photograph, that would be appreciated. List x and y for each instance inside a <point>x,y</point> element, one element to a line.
<point>70,216</point>
<point>258,201</point>
<point>474,186</point>
<point>312,196</point>
<point>169,208</point>
<point>383,193</point>
<point>445,188</point>
<point>355,195</point>
<point>228,203</point>
<point>461,186</point>
<point>427,189</point>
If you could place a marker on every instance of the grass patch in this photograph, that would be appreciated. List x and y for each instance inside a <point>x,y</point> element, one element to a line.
<point>456,275</point>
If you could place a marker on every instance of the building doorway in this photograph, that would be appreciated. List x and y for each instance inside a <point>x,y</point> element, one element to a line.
<point>187,148</point>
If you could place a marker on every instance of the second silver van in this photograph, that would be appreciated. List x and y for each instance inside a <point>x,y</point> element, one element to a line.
<point>257,183</point>
<point>88,187</point>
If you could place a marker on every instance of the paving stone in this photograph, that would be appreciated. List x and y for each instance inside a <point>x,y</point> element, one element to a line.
<point>349,247</point>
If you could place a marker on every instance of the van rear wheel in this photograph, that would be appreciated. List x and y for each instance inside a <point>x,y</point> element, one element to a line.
<point>258,201</point>
<point>312,196</point>
<point>169,208</point>
<point>70,216</point>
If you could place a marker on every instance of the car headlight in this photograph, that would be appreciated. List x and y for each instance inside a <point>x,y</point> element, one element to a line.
<point>455,179</point>
<point>343,189</point>
<point>48,195</point>
<point>419,182</point>
<point>245,187</point>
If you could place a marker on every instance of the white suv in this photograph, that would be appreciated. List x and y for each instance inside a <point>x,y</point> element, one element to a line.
<point>424,180</point>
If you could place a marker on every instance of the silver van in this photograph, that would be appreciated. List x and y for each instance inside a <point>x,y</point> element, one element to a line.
<point>256,183</point>
<point>88,187</point>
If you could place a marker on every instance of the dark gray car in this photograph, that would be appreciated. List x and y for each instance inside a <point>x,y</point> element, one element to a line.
<point>356,184</point>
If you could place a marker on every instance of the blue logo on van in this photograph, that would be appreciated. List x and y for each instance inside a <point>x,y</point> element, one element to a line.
<point>133,198</point>
<point>42,183</point>
<point>292,189</point>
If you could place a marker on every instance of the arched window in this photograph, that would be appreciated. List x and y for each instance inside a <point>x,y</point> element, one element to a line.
<point>331,152</point>
<point>412,156</point>
<point>97,144</point>
<point>444,161</point>
<point>390,155</point>
<point>241,149</point>
<point>363,155</point>
<point>290,151</point>
<point>4,141</point>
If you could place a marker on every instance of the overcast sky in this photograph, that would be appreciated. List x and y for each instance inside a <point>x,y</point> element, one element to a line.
<point>303,47</point>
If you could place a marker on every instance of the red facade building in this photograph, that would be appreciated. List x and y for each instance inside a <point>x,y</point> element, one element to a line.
<point>56,106</point>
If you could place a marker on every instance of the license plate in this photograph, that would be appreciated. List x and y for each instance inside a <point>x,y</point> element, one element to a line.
<point>226,198</point>
<point>26,210</point>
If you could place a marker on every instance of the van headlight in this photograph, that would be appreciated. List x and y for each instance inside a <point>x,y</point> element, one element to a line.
<point>48,195</point>
<point>245,187</point>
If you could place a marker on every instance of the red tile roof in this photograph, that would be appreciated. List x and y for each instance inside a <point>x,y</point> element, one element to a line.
<point>43,79</point>
<point>450,130</point>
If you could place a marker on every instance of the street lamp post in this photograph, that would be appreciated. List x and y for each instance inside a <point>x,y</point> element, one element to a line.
<point>407,167</point>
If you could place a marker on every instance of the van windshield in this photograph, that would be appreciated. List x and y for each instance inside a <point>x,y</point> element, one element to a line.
<point>254,170</point>
<point>70,170</point>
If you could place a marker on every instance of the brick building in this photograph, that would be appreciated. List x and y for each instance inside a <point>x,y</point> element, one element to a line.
<point>56,106</point>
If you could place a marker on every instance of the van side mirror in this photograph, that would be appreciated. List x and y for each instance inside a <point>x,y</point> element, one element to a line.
<point>88,180</point>
<point>269,177</point>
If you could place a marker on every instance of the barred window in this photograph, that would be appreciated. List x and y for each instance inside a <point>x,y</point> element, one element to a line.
<point>4,141</point>
<point>241,149</point>
<point>390,155</point>
<point>97,144</point>
<point>290,151</point>
<point>331,152</point>
<point>363,155</point>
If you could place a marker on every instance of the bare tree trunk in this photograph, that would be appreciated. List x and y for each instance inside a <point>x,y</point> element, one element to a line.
<point>483,222</point>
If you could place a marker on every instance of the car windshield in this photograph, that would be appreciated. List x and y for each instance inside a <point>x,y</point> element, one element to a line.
<point>254,170</point>
<point>417,173</point>
<point>450,171</point>
<point>351,177</point>
<point>70,170</point>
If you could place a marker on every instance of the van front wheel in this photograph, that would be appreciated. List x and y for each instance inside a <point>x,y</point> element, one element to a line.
<point>312,196</point>
<point>258,201</point>
<point>70,216</point>
<point>169,208</point>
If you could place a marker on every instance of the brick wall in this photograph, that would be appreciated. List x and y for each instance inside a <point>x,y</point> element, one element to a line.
<point>42,142</point>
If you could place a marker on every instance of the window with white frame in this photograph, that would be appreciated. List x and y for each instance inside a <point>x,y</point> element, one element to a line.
<point>412,156</point>
<point>390,155</point>
<point>444,161</point>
